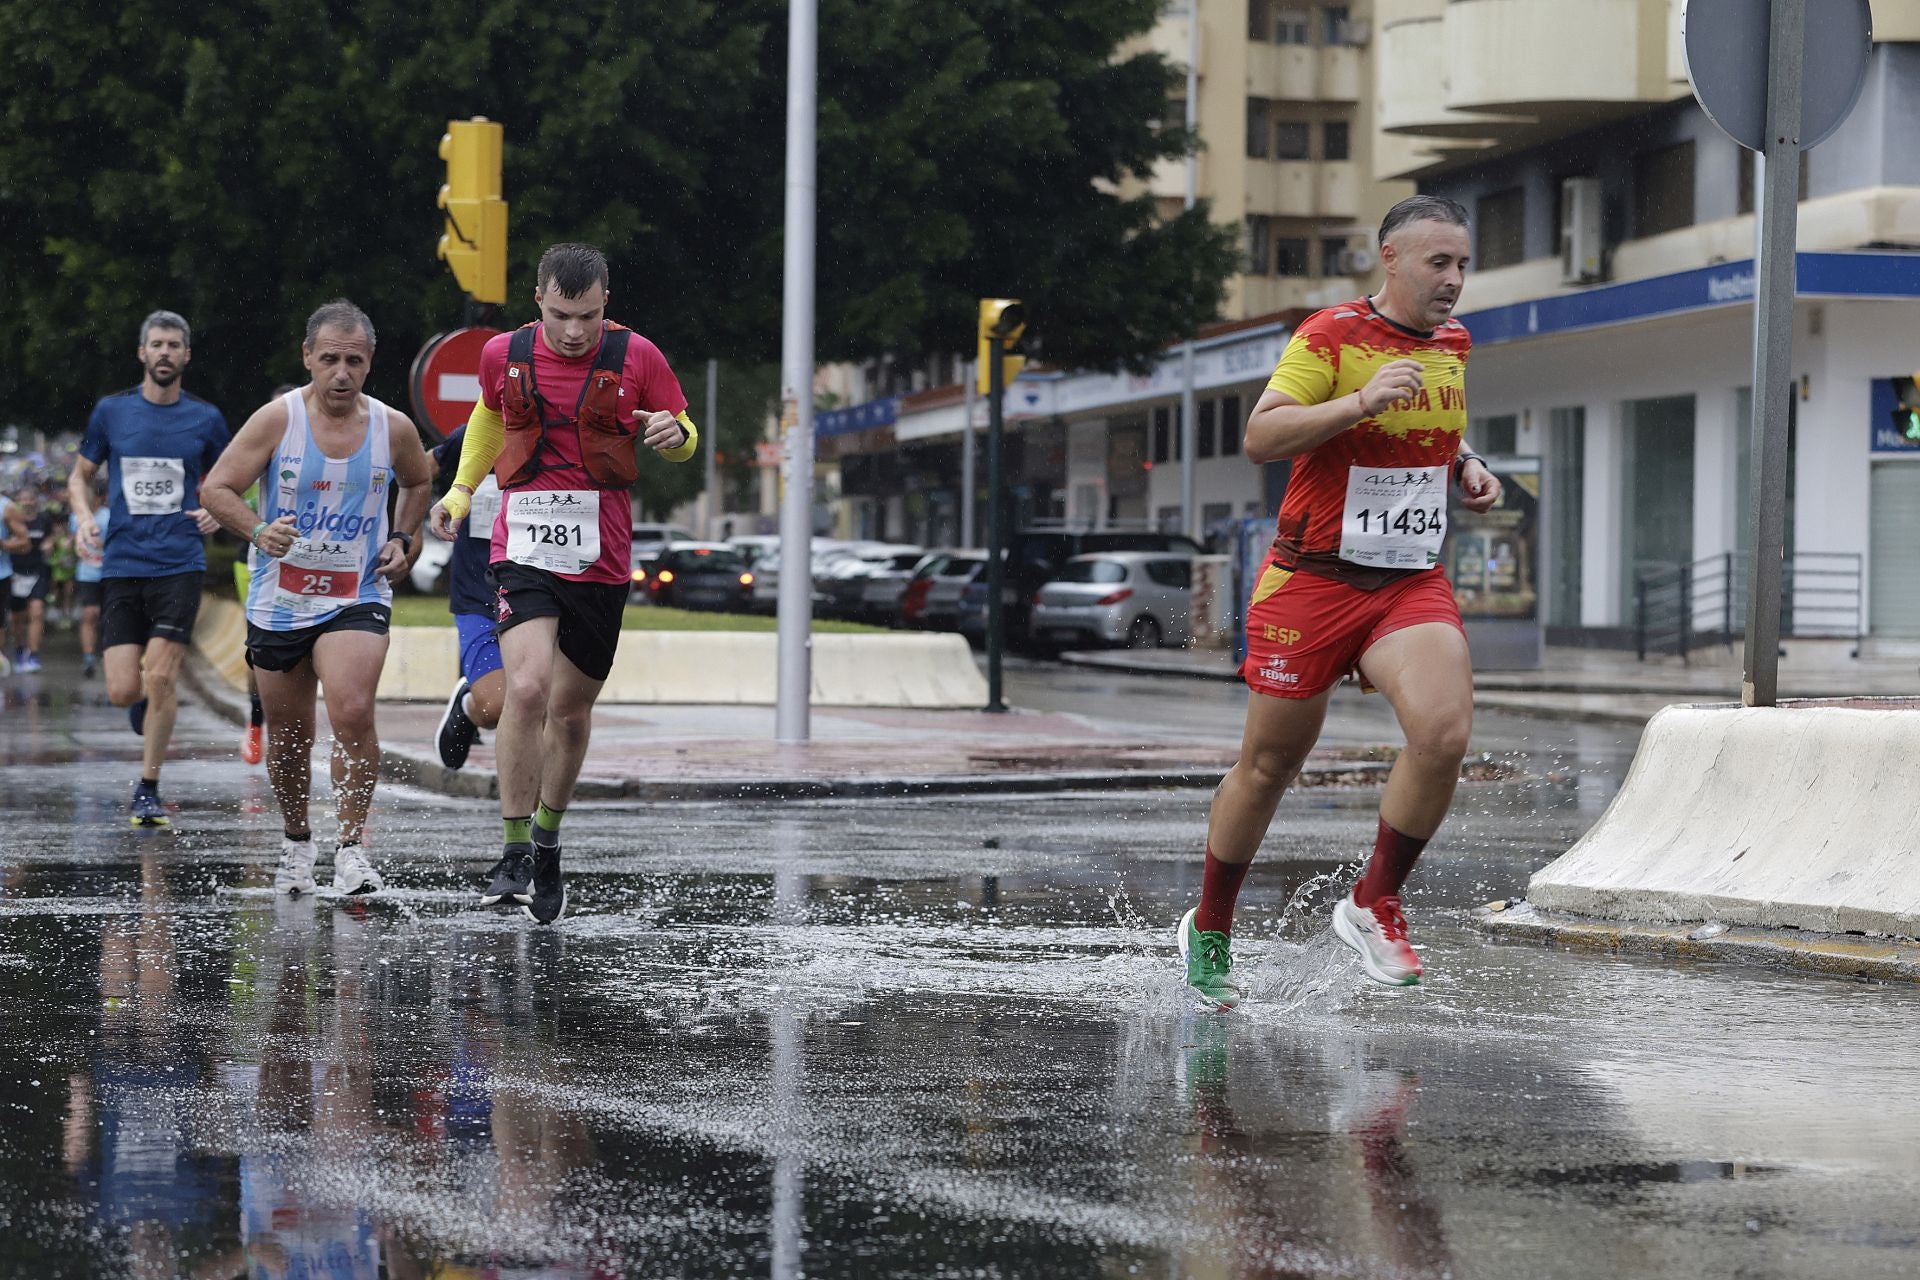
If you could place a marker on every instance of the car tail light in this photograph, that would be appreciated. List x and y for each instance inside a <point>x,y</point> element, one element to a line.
<point>746,579</point>
<point>666,576</point>
<point>1115,597</point>
<point>639,575</point>
<point>1036,598</point>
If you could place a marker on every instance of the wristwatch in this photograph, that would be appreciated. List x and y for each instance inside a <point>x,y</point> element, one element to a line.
<point>1460,462</point>
<point>406,542</point>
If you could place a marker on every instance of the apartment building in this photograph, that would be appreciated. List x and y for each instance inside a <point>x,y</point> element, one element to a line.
<point>1611,299</point>
<point>1285,114</point>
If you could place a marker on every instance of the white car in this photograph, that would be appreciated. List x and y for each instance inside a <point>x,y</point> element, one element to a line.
<point>1141,599</point>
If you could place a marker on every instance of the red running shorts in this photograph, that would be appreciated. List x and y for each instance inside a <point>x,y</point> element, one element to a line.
<point>1306,633</point>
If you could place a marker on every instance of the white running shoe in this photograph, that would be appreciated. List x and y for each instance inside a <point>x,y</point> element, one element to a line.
<point>352,873</point>
<point>295,875</point>
<point>1379,934</point>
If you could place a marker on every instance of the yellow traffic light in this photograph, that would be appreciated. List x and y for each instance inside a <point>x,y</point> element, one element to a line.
<point>475,241</point>
<point>1002,321</point>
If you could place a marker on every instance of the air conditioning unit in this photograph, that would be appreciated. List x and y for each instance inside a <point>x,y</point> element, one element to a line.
<point>1581,250</point>
<point>1355,31</point>
<point>1357,262</point>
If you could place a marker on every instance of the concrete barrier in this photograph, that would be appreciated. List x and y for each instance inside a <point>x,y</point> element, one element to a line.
<point>1806,816</point>
<point>905,669</point>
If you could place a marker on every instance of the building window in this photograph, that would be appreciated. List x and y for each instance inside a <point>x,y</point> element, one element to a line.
<point>1259,132</point>
<point>1231,425</point>
<point>1501,220</point>
<point>1203,447</point>
<point>1290,140</point>
<point>1336,141</point>
<point>1333,258</point>
<point>1260,20</point>
<point>1663,190</point>
<point>1497,437</point>
<point>1259,246</point>
<point>1335,18</point>
<point>1166,434</point>
<point>1175,116</point>
<point>1291,26</point>
<point>1290,256</point>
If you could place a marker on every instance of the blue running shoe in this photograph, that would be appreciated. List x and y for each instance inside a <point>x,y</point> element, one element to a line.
<point>147,811</point>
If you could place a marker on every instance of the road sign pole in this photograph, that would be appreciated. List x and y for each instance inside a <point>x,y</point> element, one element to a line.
<point>793,701</point>
<point>1773,349</point>
<point>996,520</point>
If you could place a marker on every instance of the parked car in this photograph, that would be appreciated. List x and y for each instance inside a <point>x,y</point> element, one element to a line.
<point>1035,555</point>
<point>766,574</point>
<point>1141,599</point>
<point>931,597</point>
<point>702,575</point>
<point>866,579</point>
<point>649,542</point>
<point>755,546</point>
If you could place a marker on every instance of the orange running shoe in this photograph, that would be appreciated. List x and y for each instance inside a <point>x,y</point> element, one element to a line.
<point>250,748</point>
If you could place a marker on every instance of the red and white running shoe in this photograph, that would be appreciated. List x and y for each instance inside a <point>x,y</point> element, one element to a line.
<point>1379,934</point>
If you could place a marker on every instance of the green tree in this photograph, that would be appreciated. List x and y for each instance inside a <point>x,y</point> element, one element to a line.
<point>243,162</point>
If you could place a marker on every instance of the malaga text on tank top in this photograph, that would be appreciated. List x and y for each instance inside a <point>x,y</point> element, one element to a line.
<point>339,507</point>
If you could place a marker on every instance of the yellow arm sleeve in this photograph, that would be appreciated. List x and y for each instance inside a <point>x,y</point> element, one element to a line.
<point>680,452</point>
<point>486,433</point>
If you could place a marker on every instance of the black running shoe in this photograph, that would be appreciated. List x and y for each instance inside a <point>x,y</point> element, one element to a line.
<point>457,732</point>
<point>137,717</point>
<point>549,900</point>
<point>511,879</point>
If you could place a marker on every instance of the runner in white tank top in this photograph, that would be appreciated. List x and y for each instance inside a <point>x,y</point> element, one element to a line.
<point>327,458</point>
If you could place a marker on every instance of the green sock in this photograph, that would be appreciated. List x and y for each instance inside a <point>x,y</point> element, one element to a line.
<point>519,830</point>
<point>548,820</point>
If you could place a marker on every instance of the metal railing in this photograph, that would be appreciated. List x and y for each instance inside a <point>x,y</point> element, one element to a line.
<point>1682,607</point>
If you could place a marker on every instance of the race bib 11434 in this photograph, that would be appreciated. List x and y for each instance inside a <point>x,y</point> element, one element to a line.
<point>1395,517</point>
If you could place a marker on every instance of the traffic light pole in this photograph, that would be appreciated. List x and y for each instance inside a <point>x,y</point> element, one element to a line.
<point>996,516</point>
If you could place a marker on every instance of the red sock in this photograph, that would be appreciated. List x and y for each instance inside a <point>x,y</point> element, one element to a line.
<point>1393,857</point>
<point>1219,886</point>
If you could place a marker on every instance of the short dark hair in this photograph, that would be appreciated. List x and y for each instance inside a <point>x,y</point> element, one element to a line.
<point>1422,209</point>
<point>572,268</point>
<point>341,314</point>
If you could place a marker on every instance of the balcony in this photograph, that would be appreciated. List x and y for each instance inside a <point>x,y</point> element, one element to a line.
<point>1410,83</point>
<point>1301,73</point>
<point>1283,188</point>
<point>1552,58</point>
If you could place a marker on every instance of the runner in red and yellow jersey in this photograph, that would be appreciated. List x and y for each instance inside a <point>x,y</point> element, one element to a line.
<point>1369,401</point>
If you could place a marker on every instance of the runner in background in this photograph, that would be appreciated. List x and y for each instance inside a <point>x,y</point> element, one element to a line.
<point>476,698</point>
<point>32,580</point>
<point>156,441</point>
<point>87,584</point>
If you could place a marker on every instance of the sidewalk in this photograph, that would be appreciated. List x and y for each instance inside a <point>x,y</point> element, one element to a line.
<point>1594,684</point>
<point>653,752</point>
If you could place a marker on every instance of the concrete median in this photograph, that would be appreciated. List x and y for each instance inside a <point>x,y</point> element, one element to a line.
<point>1800,816</point>
<point>906,669</point>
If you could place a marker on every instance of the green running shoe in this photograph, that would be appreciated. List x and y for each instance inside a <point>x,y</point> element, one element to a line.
<point>1209,960</point>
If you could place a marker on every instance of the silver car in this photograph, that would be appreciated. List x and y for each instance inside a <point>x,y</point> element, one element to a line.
<point>1141,599</point>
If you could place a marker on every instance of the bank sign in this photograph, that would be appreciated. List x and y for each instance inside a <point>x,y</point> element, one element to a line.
<point>1893,416</point>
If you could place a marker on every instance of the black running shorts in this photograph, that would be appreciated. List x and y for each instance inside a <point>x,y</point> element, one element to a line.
<point>285,650</point>
<point>136,610</point>
<point>589,612</point>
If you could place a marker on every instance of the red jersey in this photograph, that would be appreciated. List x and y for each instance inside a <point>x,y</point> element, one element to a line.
<point>646,382</point>
<point>1368,506</point>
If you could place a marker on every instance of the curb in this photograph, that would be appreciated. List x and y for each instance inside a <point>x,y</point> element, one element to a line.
<point>408,767</point>
<point>1838,955</point>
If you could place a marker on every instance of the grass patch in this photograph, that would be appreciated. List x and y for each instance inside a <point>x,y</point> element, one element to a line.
<point>431,611</point>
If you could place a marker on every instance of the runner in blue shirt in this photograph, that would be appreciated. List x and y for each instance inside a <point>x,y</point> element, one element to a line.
<point>476,699</point>
<point>88,589</point>
<point>156,442</point>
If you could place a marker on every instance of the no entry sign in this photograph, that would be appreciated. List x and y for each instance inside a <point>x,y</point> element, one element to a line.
<point>446,378</point>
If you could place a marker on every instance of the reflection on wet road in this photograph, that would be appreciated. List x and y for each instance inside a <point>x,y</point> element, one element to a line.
<point>929,1038</point>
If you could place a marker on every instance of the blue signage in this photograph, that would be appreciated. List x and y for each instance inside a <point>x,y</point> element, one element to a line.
<point>1889,434</point>
<point>860,417</point>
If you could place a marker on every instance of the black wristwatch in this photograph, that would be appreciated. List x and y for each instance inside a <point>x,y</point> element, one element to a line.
<point>1460,461</point>
<point>406,542</point>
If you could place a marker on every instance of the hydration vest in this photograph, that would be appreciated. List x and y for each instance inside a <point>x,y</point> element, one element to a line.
<point>606,443</point>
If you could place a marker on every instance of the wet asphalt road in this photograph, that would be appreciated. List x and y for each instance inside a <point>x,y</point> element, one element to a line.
<point>925,1038</point>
